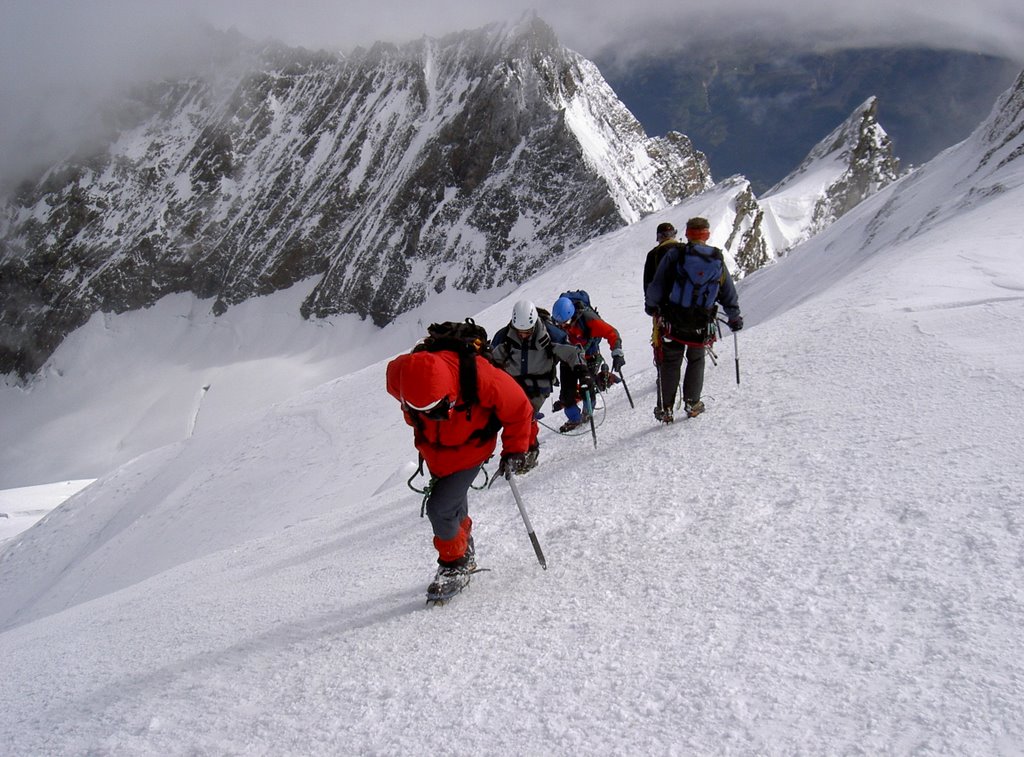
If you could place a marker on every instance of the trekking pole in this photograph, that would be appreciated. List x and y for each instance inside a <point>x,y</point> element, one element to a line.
<point>735,349</point>
<point>526,520</point>
<point>659,354</point>
<point>626,387</point>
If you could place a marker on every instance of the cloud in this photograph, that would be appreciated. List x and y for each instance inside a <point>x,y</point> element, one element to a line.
<point>590,26</point>
<point>57,57</point>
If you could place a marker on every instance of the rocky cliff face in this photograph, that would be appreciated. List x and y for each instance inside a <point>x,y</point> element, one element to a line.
<point>746,240</point>
<point>468,161</point>
<point>1002,134</point>
<point>852,163</point>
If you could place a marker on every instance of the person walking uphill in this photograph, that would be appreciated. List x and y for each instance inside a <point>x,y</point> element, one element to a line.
<point>584,328</point>
<point>529,348</point>
<point>683,295</point>
<point>666,238</point>
<point>455,430</point>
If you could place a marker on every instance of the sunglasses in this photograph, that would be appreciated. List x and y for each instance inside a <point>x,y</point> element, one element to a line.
<point>440,410</point>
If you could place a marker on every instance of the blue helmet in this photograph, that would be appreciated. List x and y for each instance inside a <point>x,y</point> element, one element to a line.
<point>563,310</point>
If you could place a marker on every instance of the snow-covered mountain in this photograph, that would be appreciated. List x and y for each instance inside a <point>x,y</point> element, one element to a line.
<point>467,162</point>
<point>852,163</point>
<point>261,351</point>
<point>849,165</point>
<point>827,561</point>
<point>222,227</point>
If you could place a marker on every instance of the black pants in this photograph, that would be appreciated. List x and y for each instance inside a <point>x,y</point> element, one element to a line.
<point>448,504</point>
<point>668,373</point>
<point>569,384</point>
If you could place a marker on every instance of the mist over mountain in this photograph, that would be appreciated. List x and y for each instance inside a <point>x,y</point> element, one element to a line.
<point>388,175</point>
<point>757,109</point>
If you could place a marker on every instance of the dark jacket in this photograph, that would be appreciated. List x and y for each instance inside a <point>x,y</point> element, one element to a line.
<point>532,363</point>
<point>665,288</point>
<point>654,258</point>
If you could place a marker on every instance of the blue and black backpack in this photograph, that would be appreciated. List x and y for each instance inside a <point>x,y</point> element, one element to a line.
<point>580,298</point>
<point>693,299</point>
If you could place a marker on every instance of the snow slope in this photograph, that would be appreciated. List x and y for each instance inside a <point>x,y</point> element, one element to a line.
<point>828,561</point>
<point>24,506</point>
<point>134,381</point>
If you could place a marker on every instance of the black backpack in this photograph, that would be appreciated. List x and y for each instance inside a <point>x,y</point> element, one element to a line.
<point>467,340</point>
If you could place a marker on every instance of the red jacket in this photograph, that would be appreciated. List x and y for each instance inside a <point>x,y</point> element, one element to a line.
<point>469,436</point>
<point>588,330</point>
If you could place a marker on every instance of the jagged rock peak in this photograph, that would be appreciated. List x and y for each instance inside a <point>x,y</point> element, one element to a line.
<point>849,165</point>
<point>859,138</point>
<point>746,241</point>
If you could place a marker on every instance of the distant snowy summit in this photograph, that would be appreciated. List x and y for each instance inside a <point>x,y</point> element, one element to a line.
<point>469,161</point>
<point>852,163</point>
<point>848,166</point>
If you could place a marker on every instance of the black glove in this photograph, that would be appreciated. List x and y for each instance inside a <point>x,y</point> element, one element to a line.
<point>618,360</point>
<point>511,462</point>
<point>736,323</point>
<point>582,373</point>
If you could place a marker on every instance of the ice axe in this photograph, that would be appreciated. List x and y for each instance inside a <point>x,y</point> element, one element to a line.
<point>626,387</point>
<point>526,520</point>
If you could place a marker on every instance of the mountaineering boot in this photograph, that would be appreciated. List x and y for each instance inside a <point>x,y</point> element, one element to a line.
<point>449,580</point>
<point>453,576</point>
<point>663,414</point>
<point>573,418</point>
<point>693,409</point>
<point>570,425</point>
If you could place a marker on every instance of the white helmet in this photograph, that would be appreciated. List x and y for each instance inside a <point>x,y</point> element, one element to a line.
<point>524,316</point>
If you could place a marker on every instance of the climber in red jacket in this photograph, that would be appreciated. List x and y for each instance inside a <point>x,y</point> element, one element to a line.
<point>455,438</point>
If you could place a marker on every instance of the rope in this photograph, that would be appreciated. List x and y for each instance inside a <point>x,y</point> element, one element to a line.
<point>429,488</point>
<point>600,413</point>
